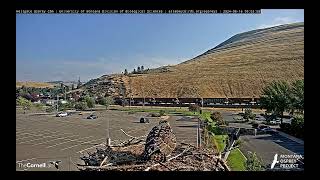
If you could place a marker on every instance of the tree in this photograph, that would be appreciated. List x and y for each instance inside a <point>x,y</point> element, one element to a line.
<point>297,95</point>
<point>90,101</point>
<point>217,117</point>
<point>142,69</point>
<point>138,70</point>
<point>162,112</point>
<point>125,72</point>
<point>253,163</point>
<point>194,108</point>
<point>72,86</point>
<point>109,101</point>
<point>101,100</point>
<point>134,71</point>
<point>26,104</point>
<point>81,106</point>
<point>248,114</point>
<point>276,97</point>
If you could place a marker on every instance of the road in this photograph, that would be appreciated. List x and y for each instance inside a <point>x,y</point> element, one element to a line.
<point>44,138</point>
<point>266,146</point>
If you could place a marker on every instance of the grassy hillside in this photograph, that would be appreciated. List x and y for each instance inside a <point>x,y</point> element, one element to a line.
<point>239,67</point>
<point>34,84</point>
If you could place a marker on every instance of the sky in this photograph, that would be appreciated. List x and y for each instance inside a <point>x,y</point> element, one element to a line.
<point>64,47</point>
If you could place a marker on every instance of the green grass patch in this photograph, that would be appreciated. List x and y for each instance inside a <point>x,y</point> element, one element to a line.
<point>236,160</point>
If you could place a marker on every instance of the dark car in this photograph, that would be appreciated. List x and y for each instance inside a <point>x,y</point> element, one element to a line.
<point>266,129</point>
<point>144,120</point>
<point>92,116</point>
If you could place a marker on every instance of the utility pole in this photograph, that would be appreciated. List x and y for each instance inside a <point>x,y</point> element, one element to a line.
<point>108,133</point>
<point>143,96</point>
<point>57,103</point>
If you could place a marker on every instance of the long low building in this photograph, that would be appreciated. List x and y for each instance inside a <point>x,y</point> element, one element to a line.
<point>207,102</point>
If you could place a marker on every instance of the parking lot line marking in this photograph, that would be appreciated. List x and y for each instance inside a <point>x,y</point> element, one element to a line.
<point>32,134</point>
<point>91,147</point>
<point>25,160</point>
<point>80,144</point>
<point>68,141</point>
<point>54,140</point>
<point>44,137</point>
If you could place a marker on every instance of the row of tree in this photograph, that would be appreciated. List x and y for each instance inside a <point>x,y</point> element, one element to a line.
<point>139,70</point>
<point>280,96</point>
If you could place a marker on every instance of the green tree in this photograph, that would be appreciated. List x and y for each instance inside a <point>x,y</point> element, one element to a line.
<point>248,114</point>
<point>109,101</point>
<point>26,104</point>
<point>161,112</point>
<point>134,71</point>
<point>297,95</point>
<point>216,116</point>
<point>81,106</point>
<point>138,70</point>
<point>125,72</point>
<point>276,97</point>
<point>90,101</point>
<point>102,101</point>
<point>253,163</point>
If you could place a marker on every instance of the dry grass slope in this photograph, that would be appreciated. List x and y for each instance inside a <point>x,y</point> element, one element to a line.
<point>239,67</point>
<point>34,84</point>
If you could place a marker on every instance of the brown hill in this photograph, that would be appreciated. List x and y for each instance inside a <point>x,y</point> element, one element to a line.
<point>239,67</point>
<point>34,84</point>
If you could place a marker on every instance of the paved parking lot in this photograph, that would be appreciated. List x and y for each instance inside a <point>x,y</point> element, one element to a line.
<point>43,138</point>
<point>266,146</point>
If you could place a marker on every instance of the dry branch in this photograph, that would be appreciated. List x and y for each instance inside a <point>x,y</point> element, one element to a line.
<point>157,164</point>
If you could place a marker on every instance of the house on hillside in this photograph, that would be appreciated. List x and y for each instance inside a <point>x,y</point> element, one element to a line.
<point>49,102</point>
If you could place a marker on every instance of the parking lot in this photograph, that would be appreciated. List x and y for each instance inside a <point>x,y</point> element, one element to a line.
<point>42,138</point>
<point>267,145</point>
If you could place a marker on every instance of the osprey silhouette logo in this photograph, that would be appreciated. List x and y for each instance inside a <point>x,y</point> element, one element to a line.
<point>275,161</point>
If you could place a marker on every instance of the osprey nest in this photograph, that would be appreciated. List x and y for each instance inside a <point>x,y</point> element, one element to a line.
<point>158,152</point>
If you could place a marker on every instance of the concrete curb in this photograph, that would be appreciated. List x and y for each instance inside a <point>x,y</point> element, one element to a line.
<point>291,137</point>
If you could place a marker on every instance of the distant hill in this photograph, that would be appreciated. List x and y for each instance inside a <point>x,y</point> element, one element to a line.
<point>239,67</point>
<point>34,84</point>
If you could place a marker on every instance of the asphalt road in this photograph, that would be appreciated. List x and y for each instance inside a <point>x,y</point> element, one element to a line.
<point>266,146</point>
<point>44,138</point>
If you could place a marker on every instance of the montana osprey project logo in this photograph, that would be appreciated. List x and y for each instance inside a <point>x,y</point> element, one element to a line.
<point>275,161</point>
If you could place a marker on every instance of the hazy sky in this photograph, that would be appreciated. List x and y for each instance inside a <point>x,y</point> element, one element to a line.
<point>63,47</point>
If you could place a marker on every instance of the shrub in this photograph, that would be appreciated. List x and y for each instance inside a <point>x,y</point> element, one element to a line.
<point>194,108</point>
<point>51,109</point>
<point>248,114</point>
<point>253,163</point>
<point>81,106</point>
<point>155,115</point>
<point>24,102</point>
<point>217,117</point>
<point>238,143</point>
<point>162,113</point>
<point>90,101</point>
<point>296,128</point>
<point>101,100</point>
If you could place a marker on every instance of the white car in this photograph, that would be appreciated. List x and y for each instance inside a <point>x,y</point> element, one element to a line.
<point>62,114</point>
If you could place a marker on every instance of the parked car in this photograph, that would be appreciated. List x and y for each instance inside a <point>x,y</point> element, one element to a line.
<point>92,116</point>
<point>266,129</point>
<point>144,120</point>
<point>62,114</point>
